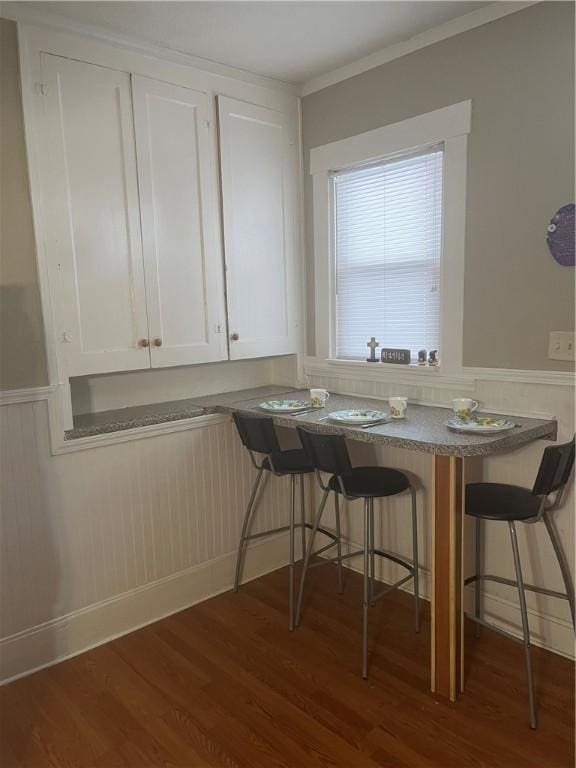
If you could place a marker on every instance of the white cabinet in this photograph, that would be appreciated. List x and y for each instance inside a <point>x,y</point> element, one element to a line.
<point>145,199</point>
<point>180,232</point>
<point>91,217</point>
<point>258,199</point>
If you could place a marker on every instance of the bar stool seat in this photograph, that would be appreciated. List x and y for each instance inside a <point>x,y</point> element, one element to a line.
<point>291,462</point>
<point>498,501</point>
<point>364,482</point>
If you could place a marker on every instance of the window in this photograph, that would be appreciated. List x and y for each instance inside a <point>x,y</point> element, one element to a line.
<point>387,220</point>
<point>389,235</point>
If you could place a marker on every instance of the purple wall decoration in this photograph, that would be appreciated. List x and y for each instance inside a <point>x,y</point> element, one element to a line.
<point>560,237</point>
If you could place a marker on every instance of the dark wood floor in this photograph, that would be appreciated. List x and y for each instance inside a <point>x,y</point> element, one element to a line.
<point>225,684</point>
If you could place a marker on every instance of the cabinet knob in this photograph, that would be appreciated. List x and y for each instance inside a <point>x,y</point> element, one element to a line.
<point>143,343</point>
<point>235,336</point>
<point>157,342</point>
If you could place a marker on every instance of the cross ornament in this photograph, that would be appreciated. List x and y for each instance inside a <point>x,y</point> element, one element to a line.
<point>372,344</point>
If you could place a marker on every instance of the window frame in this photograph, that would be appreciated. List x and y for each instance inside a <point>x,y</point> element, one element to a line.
<point>449,126</point>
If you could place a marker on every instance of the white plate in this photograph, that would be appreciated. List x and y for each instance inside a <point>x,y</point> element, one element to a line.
<point>285,406</point>
<point>480,425</point>
<point>361,416</point>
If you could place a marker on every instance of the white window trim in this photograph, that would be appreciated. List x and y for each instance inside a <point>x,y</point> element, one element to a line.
<point>449,126</point>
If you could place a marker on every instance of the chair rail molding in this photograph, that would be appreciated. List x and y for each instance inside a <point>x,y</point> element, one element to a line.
<point>430,377</point>
<point>26,395</point>
<point>59,445</point>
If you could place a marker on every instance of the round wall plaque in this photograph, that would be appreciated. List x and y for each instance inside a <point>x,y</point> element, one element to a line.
<point>560,237</point>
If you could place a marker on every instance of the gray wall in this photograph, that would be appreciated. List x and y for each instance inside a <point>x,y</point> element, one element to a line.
<point>22,356</point>
<point>519,73</point>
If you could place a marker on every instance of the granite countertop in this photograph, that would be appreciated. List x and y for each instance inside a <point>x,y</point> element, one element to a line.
<point>423,429</point>
<point>104,422</point>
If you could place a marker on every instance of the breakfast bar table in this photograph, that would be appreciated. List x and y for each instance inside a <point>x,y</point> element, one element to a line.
<point>425,430</point>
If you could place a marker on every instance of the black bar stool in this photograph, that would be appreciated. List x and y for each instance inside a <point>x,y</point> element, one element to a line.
<point>258,435</point>
<point>329,453</point>
<point>511,504</point>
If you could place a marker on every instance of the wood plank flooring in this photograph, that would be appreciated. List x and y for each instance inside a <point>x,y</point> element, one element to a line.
<point>225,684</point>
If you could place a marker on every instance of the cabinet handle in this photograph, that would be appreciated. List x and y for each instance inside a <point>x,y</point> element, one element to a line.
<point>235,336</point>
<point>157,342</point>
<point>143,343</point>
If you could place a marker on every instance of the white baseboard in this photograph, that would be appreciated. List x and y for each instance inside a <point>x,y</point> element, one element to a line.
<point>549,632</point>
<point>67,636</point>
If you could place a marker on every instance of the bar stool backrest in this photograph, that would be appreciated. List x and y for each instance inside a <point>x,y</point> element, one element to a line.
<point>326,453</point>
<point>257,433</point>
<point>555,468</point>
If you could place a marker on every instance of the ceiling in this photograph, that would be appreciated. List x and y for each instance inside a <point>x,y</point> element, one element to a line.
<point>289,41</point>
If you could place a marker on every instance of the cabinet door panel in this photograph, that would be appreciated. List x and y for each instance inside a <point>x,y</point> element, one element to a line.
<point>92,217</point>
<point>182,253</point>
<point>258,207</point>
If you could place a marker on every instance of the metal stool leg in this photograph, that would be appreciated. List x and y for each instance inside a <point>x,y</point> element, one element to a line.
<point>309,554</point>
<point>365,600</point>
<point>240,555</point>
<point>525,627</point>
<point>338,543</point>
<point>372,557</point>
<point>303,515</point>
<point>561,557</point>
<point>415,558</point>
<point>291,566</point>
<point>477,573</point>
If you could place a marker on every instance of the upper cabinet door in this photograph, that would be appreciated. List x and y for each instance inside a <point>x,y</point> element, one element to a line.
<point>258,197</point>
<point>92,224</point>
<point>177,169</point>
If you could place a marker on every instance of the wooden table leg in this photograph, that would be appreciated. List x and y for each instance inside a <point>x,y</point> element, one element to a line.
<point>447,615</point>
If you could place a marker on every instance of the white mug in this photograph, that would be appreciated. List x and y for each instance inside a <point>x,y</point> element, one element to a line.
<point>398,407</point>
<point>318,397</point>
<point>464,407</point>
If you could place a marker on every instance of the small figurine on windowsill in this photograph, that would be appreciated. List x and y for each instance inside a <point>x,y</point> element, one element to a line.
<point>433,357</point>
<point>372,344</point>
<point>422,357</point>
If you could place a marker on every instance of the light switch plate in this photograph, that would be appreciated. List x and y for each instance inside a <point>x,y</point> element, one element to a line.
<point>561,345</point>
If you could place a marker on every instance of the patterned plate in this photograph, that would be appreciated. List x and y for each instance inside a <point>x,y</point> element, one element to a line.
<point>357,416</point>
<point>285,406</point>
<point>480,425</point>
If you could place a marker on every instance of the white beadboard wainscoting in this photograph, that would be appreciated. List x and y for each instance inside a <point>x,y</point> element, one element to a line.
<point>100,541</point>
<point>551,394</point>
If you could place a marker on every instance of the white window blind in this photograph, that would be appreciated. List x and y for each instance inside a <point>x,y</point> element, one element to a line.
<point>388,239</point>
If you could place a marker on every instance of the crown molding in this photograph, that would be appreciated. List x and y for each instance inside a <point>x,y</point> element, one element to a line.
<point>20,13</point>
<point>451,28</point>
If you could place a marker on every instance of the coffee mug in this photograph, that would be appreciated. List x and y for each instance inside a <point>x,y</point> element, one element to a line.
<point>464,407</point>
<point>398,407</point>
<point>318,397</point>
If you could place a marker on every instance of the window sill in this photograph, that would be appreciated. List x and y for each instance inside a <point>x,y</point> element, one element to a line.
<point>431,369</point>
<point>413,374</point>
